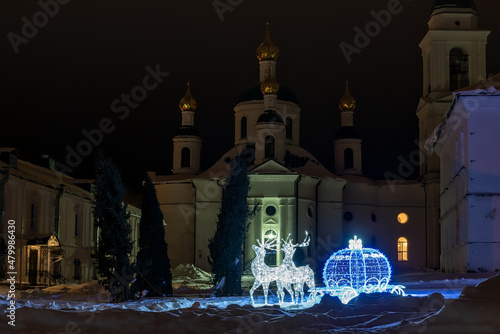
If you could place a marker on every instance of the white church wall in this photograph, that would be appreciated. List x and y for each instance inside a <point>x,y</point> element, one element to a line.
<point>483,152</point>
<point>388,230</point>
<point>331,190</point>
<point>177,204</point>
<point>330,233</point>
<point>484,232</point>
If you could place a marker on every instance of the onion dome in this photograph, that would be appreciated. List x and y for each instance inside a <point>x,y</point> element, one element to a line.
<point>270,116</point>
<point>188,103</point>
<point>363,269</point>
<point>347,102</point>
<point>269,86</point>
<point>267,50</point>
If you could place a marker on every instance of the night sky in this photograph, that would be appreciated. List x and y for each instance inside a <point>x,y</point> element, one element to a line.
<point>64,78</point>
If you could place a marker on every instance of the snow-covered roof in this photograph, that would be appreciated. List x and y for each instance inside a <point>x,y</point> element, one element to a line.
<point>45,177</point>
<point>484,88</point>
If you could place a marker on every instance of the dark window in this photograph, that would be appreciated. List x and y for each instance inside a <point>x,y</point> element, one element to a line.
<point>77,226</point>
<point>186,157</point>
<point>348,216</point>
<point>348,158</point>
<point>289,128</point>
<point>270,210</point>
<point>459,69</point>
<point>77,274</point>
<point>310,212</point>
<point>269,149</point>
<point>33,218</point>
<point>243,127</point>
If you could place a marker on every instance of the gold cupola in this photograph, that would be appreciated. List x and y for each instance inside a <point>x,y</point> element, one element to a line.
<point>267,50</point>
<point>269,85</point>
<point>347,102</point>
<point>188,103</point>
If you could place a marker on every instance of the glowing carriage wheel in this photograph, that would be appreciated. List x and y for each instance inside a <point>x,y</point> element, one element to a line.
<point>398,290</point>
<point>316,295</point>
<point>347,293</point>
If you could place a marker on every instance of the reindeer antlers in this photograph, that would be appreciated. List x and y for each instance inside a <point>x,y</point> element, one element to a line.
<point>289,243</point>
<point>307,239</point>
<point>267,243</point>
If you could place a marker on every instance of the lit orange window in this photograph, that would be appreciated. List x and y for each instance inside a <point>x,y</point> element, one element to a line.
<point>402,249</point>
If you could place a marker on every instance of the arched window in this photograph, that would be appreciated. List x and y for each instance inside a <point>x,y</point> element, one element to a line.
<point>270,258</point>
<point>185,157</point>
<point>459,69</point>
<point>243,126</point>
<point>289,128</point>
<point>269,149</point>
<point>402,249</point>
<point>348,158</point>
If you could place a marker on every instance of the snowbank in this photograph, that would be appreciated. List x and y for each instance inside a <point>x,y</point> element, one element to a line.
<point>186,278</point>
<point>475,311</point>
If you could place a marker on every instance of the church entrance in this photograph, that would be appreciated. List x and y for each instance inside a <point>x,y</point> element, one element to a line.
<point>44,262</point>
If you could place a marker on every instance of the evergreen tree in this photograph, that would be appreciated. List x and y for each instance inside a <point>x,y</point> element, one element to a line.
<point>153,263</point>
<point>226,245</point>
<point>114,246</point>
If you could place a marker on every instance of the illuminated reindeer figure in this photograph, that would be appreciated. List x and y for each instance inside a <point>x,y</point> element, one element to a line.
<point>264,274</point>
<point>297,275</point>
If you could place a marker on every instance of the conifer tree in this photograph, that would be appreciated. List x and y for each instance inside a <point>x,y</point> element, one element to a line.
<point>226,245</point>
<point>111,217</point>
<point>153,264</point>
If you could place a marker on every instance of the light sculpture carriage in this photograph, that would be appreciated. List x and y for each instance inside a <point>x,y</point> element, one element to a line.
<point>355,270</point>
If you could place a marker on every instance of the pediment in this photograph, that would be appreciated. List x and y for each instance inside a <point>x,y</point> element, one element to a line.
<point>271,167</point>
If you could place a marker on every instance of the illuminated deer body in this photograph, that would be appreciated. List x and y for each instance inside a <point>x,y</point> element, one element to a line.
<point>264,274</point>
<point>297,276</point>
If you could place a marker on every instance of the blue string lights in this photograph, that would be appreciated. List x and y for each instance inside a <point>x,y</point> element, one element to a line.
<point>354,270</point>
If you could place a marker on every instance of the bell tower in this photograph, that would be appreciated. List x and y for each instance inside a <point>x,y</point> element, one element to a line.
<point>187,143</point>
<point>347,143</point>
<point>454,57</point>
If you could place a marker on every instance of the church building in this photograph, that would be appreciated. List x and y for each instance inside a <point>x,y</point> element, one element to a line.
<point>294,192</point>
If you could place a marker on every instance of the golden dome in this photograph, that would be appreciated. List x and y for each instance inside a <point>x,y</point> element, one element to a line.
<point>187,103</point>
<point>347,102</point>
<point>269,85</point>
<point>267,50</point>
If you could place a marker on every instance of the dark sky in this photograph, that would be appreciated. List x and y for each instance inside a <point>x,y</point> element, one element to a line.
<point>64,79</point>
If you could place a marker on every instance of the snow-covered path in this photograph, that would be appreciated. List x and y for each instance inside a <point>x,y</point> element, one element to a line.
<point>71,311</point>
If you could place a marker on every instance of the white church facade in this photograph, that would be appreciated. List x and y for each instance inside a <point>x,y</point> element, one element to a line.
<point>470,179</point>
<point>295,193</point>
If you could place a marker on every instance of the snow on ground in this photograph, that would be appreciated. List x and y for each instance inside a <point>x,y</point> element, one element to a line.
<point>191,277</point>
<point>85,308</point>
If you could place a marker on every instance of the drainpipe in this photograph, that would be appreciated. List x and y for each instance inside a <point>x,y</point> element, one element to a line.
<point>316,214</point>
<point>426,221</point>
<point>57,218</point>
<point>297,206</point>
<point>194,222</point>
<point>89,243</point>
<point>23,208</point>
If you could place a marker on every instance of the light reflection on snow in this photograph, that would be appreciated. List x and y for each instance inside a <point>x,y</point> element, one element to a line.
<point>450,289</point>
